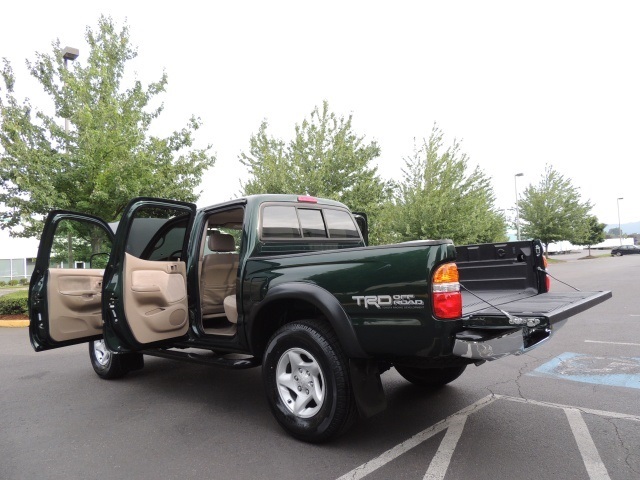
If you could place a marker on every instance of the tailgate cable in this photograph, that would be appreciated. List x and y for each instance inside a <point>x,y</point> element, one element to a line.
<point>540,269</point>
<point>518,321</point>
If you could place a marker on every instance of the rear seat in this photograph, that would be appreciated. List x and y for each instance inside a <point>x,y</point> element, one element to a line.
<point>218,276</point>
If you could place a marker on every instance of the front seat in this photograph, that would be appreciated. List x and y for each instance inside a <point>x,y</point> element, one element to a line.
<point>218,276</point>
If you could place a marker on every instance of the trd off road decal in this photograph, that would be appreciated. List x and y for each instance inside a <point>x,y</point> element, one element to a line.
<point>388,301</point>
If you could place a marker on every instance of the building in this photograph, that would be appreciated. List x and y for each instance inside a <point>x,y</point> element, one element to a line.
<point>17,257</point>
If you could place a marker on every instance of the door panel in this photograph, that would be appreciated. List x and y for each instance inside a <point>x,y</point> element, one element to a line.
<point>155,299</point>
<point>145,293</point>
<point>75,302</point>
<point>65,292</point>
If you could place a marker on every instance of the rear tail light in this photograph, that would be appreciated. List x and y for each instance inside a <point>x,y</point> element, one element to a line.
<point>307,199</point>
<point>446,298</point>
<point>547,278</point>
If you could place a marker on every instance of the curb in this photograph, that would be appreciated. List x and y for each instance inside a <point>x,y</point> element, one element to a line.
<point>14,323</point>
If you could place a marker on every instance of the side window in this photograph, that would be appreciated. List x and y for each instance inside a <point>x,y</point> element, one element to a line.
<point>168,244</point>
<point>157,234</point>
<point>224,231</point>
<point>312,223</point>
<point>340,224</point>
<point>79,244</point>
<point>214,243</point>
<point>280,222</point>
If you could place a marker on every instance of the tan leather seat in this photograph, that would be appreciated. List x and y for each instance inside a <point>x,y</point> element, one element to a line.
<point>231,308</point>
<point>218,276</point>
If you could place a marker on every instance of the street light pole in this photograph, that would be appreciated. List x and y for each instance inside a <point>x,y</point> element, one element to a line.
<point>69,53</point>
<point>515,181</point>
<point>619,227</point>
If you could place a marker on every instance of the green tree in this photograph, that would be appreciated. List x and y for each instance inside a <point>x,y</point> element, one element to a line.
<point>553,210</point>
<point>324,159</point>
<point>439,197</point>
<point>590,233</point>
<point>614,232</point>
<point>107,156</point>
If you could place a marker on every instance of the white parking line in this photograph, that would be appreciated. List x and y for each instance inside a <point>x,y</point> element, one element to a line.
<point>612,343</point>
<point>380,461</point>
<point>600,413</point>
<point>454,424</point>
<point>590,456</point>
<point>440,462</point>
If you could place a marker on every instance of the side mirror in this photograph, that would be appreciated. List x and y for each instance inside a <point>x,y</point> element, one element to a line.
<point>99,260</point>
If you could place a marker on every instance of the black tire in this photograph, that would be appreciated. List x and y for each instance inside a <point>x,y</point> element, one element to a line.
<point>430,377</point>
<point>618,254</point>
<point>311,348</point>
<point>109,365</point>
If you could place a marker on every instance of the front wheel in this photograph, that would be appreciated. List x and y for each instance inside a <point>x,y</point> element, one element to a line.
<point>109,365</point>
<point>430,377</point>
<point>307,381</point>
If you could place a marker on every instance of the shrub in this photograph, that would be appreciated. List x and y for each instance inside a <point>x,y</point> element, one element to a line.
<point>14,303</point>
<point>14,282</point>
<point>24,281</point>
<point>3,283</point>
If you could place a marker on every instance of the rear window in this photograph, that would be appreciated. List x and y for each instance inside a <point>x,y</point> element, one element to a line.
<point>340,224</point>
<point>312,223</point>
<point>280,222</point>
<point>291,222</point>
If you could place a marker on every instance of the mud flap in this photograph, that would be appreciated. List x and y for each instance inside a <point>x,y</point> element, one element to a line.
<point>135,361</point>
<point>367,387</point>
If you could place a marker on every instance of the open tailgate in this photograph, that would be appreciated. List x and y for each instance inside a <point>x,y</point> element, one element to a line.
<point>515,325</point>
<point>553,307</point>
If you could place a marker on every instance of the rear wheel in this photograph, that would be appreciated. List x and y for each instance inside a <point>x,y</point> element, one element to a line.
<point>430,377</point>
<point>110,365</point>
<point>307,381</point>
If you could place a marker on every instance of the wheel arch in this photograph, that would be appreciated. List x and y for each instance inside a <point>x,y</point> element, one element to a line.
<point>293,301</point>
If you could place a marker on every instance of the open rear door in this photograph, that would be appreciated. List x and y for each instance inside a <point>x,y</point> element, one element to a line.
<point>145,297</point>
<point>65,292</point>
<point>363,224</point>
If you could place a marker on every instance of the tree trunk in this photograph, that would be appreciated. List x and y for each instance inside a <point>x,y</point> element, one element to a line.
<point>70,249</point>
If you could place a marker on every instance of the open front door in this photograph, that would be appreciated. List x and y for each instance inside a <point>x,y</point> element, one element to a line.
<point>145,297</point>
<point>65,293</point>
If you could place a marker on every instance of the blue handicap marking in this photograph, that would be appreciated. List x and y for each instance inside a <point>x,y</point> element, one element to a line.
<point>613,371</point>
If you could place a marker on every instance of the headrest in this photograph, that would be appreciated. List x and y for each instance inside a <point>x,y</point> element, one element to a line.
<point>221,242</point>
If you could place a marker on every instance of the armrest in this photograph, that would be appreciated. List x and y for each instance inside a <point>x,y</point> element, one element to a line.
<point>80,293</point>
<point>145,288</point>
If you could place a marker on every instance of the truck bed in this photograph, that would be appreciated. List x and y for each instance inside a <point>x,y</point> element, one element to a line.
<point>508,276</point>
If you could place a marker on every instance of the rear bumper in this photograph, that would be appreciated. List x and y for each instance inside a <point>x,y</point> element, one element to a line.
<point>491,345</point>
<point>489,336</point>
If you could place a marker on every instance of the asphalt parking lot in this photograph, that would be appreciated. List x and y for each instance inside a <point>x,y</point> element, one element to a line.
<point>568,409</point>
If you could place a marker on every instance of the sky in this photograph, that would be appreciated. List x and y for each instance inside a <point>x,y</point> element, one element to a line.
<point>521,84</point>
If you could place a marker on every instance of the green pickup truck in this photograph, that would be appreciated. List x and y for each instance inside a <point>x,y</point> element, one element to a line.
<point>288,282</point>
